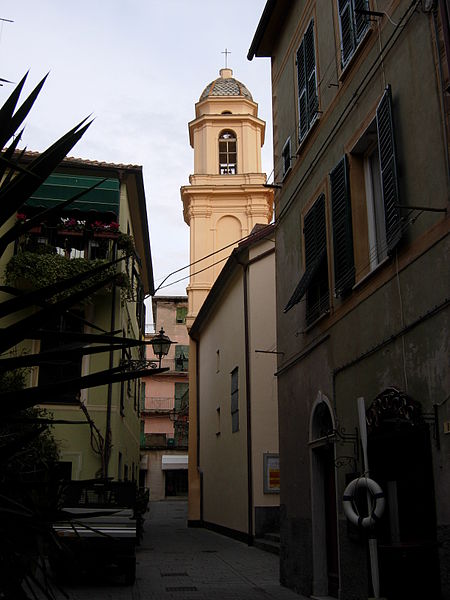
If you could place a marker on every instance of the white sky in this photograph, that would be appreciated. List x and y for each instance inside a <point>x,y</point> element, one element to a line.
<point>138,66</point>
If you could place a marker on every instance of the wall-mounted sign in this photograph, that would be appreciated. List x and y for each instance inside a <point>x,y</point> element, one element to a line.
<point>271,475</point>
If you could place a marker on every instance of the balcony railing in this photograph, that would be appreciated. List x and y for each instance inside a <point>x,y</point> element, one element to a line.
<point>158,403</point>
<point>161,441</point>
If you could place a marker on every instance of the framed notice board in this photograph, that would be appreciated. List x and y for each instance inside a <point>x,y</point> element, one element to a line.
<point>271,475</point>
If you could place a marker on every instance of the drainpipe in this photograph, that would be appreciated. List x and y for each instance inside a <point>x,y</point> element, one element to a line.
<point>197,407</point>
<point>248,407</point>
<point>107,448</point>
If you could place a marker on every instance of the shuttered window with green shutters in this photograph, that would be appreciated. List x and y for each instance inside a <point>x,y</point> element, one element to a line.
<point>181,357</point>
<point>308,100</point>
<point>314,282</point>
<point>341,210</point>
<point>315,232</point>
<point>353,25</point>
<point>388,170</point>
<point>181,314</point>
<point>180,390</point>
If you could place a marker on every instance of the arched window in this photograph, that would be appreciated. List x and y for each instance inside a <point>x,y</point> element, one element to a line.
<point>227,153</point>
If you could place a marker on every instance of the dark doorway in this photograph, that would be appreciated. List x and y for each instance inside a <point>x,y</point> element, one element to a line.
<point>176,482</point>
<point>326,456</point>
<point>400,461</point>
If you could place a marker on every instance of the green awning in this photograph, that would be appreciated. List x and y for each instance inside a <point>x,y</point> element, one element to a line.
<point>57,188</point>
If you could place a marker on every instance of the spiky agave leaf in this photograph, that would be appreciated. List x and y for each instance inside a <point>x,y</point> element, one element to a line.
<point>12,402</point>
<point>10,121</point>
<point>20,188</point>
<point>40,296</point>
<point>19,229</point>
<point>15,333</point>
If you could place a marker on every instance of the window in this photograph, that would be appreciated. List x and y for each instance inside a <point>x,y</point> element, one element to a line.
<point>227,153</point>
<point>286,157</point>
<point>341,210</point>
<point>181,357</point>
<point>235,400</point>
<point>314,282</point>
<point>353,25</point>
<point>180,391</point>
<point>376,147</point>
<point>181,314</point>
<point>58,371</point>
<point>308,101</point>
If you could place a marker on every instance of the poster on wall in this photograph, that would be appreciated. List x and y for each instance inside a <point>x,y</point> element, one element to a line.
<point>271,475</point>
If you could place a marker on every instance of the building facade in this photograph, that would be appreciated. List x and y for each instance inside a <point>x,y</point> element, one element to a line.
<point>226,197</point>
<point>360,116</point>
<point>165,411</point>
<point>106,223</point>
<point>237,393</point>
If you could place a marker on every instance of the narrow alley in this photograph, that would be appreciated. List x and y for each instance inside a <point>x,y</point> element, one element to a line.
<point>181,563</point>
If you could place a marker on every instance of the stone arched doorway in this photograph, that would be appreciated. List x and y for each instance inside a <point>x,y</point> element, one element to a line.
<point>323,499</point>
<point>400,461</point>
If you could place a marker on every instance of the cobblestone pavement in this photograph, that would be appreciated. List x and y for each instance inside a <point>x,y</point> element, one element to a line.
<point>180,563</point>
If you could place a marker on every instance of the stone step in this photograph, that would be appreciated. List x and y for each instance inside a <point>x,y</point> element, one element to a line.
<point>269,543</point>
<point>273,537</point>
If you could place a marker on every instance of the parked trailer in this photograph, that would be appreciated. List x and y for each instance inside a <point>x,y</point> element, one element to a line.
<point>96,528</point>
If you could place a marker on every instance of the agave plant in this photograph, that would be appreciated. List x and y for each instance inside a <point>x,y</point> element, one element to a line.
<point>25,527</point>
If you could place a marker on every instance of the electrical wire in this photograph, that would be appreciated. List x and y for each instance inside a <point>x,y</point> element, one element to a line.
<point>341,117</point>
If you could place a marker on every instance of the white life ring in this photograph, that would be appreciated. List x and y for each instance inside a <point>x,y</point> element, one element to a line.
<point>378,502</point>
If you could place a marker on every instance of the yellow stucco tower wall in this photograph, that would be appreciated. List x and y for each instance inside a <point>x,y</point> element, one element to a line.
<point>226,197</point>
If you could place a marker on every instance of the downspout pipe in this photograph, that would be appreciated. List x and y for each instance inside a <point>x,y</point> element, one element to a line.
<point>107,448</point>
<point>197,406</point>
<point>248,408</point>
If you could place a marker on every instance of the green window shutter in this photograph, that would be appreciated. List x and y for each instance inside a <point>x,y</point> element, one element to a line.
<point>353,25</point>
<point>310,63</point>
<point>180,390</point>
<point>142,395</point>
<point>302,97</point>
<point>388,168</point>
<point>315,232</point>
<point>307,82</point>
<point>361,20</point>
<point>181,357</point>
<point>315,277</point>
<point>181,314</point>
<point>347,37</point>
<point>344,266</point>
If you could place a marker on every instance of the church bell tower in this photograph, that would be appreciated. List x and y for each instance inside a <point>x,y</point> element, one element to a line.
<point>224,200</point>
<point>226,196</point>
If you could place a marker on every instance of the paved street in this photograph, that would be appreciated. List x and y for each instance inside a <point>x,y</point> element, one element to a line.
<point>177,563</point>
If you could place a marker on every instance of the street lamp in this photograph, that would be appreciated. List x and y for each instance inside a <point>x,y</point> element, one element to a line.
<point>161,345</point>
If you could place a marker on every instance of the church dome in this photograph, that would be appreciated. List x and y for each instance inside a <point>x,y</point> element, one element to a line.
<point>225,85</point>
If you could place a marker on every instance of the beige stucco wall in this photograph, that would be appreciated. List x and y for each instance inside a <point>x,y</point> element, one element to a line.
<point>223,453</point>
<point>262,336</point>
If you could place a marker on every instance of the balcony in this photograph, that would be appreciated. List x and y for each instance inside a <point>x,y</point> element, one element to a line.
<point>158,404</point>
<point>158,441</point>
